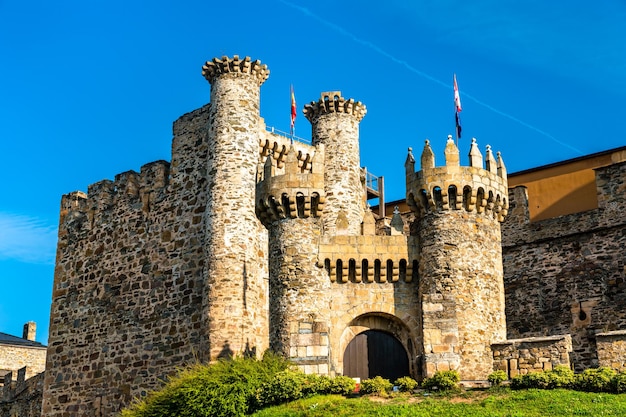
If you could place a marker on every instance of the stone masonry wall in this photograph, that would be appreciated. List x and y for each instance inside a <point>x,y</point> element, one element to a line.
<point>566,275</point>
<point>128,285</point>
<point>535,354</point>
<point>612,349</point>
<point>23,397</point>
<point>14,357</point>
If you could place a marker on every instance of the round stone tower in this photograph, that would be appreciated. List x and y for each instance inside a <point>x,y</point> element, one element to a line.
<point>290,201</point>
<point>234,302</point>
<point>458,213</point>
<point>335,123</point>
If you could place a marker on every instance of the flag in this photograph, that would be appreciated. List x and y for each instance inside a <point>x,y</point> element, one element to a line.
<point>457,98</point>
<point>293,112</point>
<point>457,108</point>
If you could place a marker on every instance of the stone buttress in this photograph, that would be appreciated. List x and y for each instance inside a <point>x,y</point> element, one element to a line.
<point>458,211</point>
<point>236,300</point>
<point>290,201</point>
<point>335,123</point>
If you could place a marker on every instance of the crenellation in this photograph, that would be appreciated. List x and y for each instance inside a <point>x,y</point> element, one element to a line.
<point>248,241</point>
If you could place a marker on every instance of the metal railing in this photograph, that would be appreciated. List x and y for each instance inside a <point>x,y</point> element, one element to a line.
<point>271,129</point>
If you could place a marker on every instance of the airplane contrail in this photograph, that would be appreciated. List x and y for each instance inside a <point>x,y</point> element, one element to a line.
<point>422,74</point>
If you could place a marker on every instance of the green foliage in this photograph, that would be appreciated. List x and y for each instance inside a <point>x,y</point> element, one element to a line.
<point>497,377</point>
<point>317,384</point>
<point>504,403</point>
<point>377,385</point>
<point>595,379</point>
<point>285,386</point>
<point>442,381</point>
<point>342,385</point>
<point>618,383</point>
<point>225,388</point>
<point>559,377</point>
<point>406,384</point>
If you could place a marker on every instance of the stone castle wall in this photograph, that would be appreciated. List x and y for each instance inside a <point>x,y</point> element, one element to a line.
<point>13,357</point>
<point>566,275</point>
<point>129,284</point>
<point>22,398</point>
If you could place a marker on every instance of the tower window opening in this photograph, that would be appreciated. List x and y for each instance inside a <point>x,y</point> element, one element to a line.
<point>437,196</point>
<point>390,270</point>
<point>286,205</point>
<point>364,270</point>
<point>424,200</point>
<point>377,270</point>
<point>315,200</point>
<point>480,200</point>
<point>300,205</point>
<point>339,270</point>
<point>467,197</point>
<point>402,270</point>
<point>414,271</point>
<point>352,270</point>
<point>452,197</point>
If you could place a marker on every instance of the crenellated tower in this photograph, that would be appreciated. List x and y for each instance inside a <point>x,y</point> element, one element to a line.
<point>290,202</point>
<point>335,123</point>
<point>235,303</point>
<point>458,212</point>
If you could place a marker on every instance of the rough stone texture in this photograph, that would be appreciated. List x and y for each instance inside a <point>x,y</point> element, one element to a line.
<point>566,275</point>
<point>612,349</point>
<point>534,354</point>
<point>247,241</point>
<point>14,357</point>
<point>461,290</point>
<point>22,398</point>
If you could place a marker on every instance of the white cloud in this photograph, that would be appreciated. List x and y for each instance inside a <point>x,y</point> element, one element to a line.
<point>27,239</point>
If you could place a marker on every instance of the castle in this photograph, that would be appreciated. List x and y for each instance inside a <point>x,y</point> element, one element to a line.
<point>247,241</point>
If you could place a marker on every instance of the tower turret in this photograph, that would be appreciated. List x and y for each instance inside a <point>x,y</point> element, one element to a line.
<point>335,123</point>
<point>459,210</point>
<point>235,304</point>
<point>290,201</point>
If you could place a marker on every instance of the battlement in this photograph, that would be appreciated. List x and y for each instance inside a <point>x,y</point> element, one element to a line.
<point>294,191</point>
<point>277,146</point>
<point>367,259</point>
<point>216,67</point>
<point>333,102</point>
<point>453,187</point>
<point>130,190</point>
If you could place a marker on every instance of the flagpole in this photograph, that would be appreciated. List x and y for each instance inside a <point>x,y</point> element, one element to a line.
<point>457,110</point>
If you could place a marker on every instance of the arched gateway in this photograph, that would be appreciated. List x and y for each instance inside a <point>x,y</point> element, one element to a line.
<point>375,353</point>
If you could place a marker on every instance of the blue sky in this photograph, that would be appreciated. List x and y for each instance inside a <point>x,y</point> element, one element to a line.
<point>89,89</point>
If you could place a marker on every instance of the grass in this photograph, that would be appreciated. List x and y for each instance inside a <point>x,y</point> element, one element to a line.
<point>492,403</point>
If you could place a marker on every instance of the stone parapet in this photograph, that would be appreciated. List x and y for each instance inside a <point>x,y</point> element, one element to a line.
<point>453,187</point>
<point>611,348</point>
<point>235,66</point>
<point>333,102</point>
<point>532,354</point>
<point>366,259</point>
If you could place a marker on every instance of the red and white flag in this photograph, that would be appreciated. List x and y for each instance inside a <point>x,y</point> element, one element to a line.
<point>293,112</point>
<point>457,108</point>
<point>457,98</point>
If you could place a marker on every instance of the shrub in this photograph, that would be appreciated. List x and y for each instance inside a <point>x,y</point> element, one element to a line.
<point>317,384</point>
<point>595,379</point>
<point>406,383</point>
<point>560,377</point>
<point>618,383</point>
<point>442,381</point>
<point>227,387</point>
<point>497,377</point>
<point>377,385</point>
<point>342,385</point>
<point>284,387</point>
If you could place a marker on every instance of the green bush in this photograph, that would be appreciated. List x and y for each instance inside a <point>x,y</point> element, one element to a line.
<point>317,384</point>
<point>559,377</point>
<point>225,388</point>
<point>377,385</point>
<point>406,384</point>
<point>595,379</point>
<point>342,385</point>
<point>284,387</point>
<point>497,377</point>
<point>618,383</point>
<point>442,381</point>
